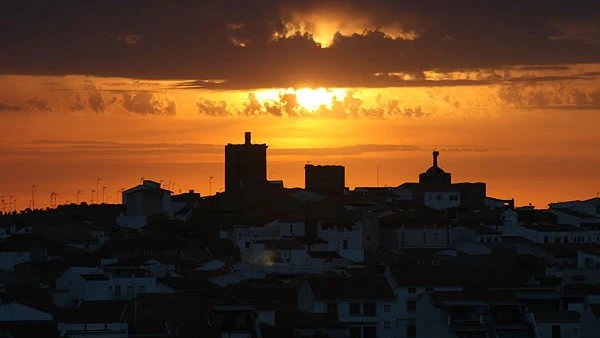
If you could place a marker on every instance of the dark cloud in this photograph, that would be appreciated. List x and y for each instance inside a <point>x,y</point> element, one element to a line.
<point>95,99</point>
<point>287,105</point>
<point>38,103</point>
<point>129,39</point>
<point>146,103</point>
<point>530,96</point>
<point>77,105</point>
<point>9,107</point>
<point>202,39</point>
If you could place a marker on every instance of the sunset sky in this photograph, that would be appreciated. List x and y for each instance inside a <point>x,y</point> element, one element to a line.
<point>508,91</point>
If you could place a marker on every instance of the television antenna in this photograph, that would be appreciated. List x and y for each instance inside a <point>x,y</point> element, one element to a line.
<point>33,187</point>
<point>78,193</point>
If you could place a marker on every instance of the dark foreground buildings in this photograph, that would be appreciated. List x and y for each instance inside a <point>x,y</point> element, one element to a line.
<point>325,179</point>
<point>245,166</point>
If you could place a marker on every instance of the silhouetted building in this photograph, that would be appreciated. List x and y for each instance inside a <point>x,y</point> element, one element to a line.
<point>435,175</point>
<point>245,165</point>
<point>436,190</point>
<point>325,179</point>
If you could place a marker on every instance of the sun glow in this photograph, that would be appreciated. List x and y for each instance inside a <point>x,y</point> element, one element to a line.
<point>305,98</point>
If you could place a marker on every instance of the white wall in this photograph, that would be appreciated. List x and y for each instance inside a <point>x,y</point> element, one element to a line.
<point>7,231</point>
<point>110,330</point>
<point>566,330</point>
<point>590,324</point>
<point>132,222</point>
<point>9,259</point>
<point>586,260</point>
<point>403,194</point>
<point>15,312</point>
<point>346,241</point>
<point>396,238</point>
<point>442,199</point>
<point>431,322</point>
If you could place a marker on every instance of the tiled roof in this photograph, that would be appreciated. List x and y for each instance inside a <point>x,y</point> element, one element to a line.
<point>574,213</point>
<point>557,317</point>
<point>96,312</point>
<point>368,287</point>
<point>94,277</point>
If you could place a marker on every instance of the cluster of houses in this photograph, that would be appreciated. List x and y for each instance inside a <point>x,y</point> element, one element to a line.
<point>429,259</point>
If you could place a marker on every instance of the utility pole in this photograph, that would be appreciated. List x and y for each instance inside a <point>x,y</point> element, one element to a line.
<point>78,193</point>
<point>33,196</point>
<point>210,182</point>
<point>3,203</point>
<point>120,193</point>
<point>98,188</point>
<point>378,166</point>
<point>92,200</point>
<point>103,189</point>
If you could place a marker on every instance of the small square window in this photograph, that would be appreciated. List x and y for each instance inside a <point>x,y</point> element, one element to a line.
<point>247,245</point>
<point>387,325</point>
<point>387,308</point>
<point>412,290</point>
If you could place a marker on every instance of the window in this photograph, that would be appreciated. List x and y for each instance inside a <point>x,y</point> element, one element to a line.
<point>411,330</point>
<point>412,290</point>
<point>438,197</point>
<point>387,325</point>
<point>424,238</point>
<point>368,238</point>
<point>429,289</point>
<point>332,308</point>
<point>403,238</point>
<point>387,308</point>
<point>557,239</point>
<point>411,306</point>
<point>355,308</point>
<point>130,291</point>
<point>369,332</point>
<point>545,239</point>
<point>117,291</point>
<point>345,244</point>
<point>566,239</point>
<point>247,245</point>
<point>369,309</point>
<point>291,229</point>
<point>355,332</point>
<point>435,236</point>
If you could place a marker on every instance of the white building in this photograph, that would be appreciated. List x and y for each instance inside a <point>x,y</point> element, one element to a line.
<point>142,201</point>
<point>14,312</point>
<point>366,305</point>
<point>13,252</point>
<point>108,282</point>
<point>590,320</point>
<point>405,229</point>
<point>94,319</point>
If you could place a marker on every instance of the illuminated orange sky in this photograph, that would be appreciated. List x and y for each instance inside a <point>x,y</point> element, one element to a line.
<point>524,122</point>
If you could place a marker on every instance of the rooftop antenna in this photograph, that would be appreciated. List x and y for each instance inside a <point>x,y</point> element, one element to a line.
<point>3,203</point>
<point>52,199</point>
<point>92,199</point>
<point>78,193</point>
<point>97,188</point>
<point>120,192</point>
<point>33,196</point>
<point>210,182</point>
<point>103,189</point>
<point>11,200</point>
<point>171,185</point>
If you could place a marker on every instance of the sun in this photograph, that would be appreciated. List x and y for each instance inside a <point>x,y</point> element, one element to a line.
<point>308,99</point>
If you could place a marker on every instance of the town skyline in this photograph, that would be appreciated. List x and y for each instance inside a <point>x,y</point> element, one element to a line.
<point>102,193</point>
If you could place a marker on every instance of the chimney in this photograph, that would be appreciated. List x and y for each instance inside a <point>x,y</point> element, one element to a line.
<point>248,137</point>
<point>435,156</point>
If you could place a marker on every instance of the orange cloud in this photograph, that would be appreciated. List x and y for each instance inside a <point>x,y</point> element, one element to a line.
<point>325,23</point>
